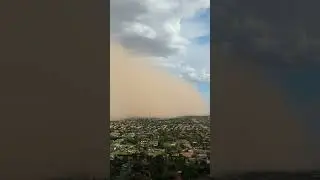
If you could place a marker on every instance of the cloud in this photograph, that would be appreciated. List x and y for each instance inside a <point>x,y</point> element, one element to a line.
<point>165,30</point>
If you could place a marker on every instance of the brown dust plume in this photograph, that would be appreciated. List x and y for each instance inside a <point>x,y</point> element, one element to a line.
<point>138,89</point>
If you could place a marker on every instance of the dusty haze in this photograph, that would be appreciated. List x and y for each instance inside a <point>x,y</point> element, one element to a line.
<point>139,89</point>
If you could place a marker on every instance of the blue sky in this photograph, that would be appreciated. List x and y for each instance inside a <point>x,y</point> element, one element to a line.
<point>203,17</point>
<point>204,87</point>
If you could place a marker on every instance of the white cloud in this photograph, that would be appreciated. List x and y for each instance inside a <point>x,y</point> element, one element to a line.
<point>164,29</point>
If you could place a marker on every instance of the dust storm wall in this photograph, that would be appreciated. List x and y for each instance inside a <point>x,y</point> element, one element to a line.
<point>138,89</point>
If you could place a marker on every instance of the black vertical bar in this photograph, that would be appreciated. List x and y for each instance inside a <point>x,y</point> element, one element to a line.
<point>54,100</point>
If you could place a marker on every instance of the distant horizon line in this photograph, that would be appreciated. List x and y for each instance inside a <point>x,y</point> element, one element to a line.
<point>162,118</point>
